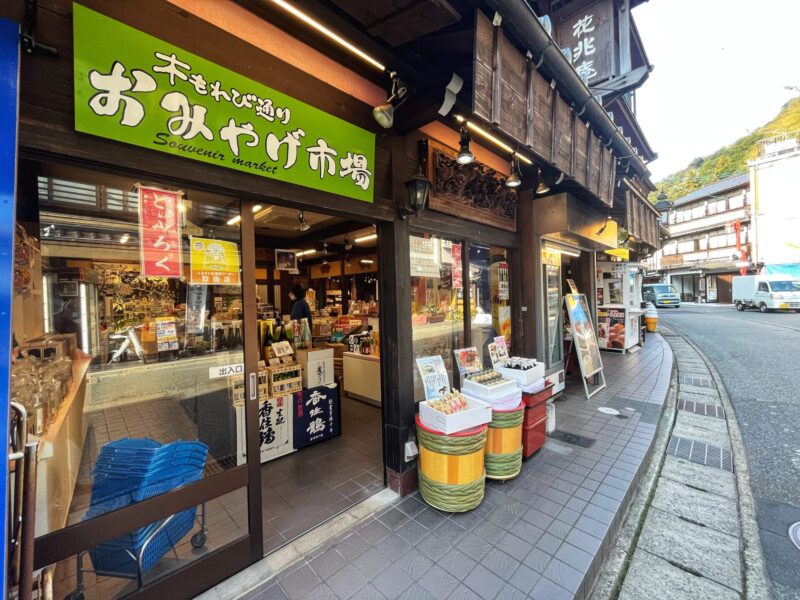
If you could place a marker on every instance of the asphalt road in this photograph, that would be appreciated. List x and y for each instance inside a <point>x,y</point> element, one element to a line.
<point>758,357</point>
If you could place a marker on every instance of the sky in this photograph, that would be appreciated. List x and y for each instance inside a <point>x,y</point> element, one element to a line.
<point>720,70</point>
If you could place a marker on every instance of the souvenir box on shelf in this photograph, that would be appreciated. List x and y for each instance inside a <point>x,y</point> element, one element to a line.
<point>488,385</point>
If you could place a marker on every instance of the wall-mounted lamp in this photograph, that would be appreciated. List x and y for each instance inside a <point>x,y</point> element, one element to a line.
<point>418,190</point>
<point>384,113</point>
<point>542,187</point>
<point>515,179</point>
<point>465,156</point>
<point>348,244</point>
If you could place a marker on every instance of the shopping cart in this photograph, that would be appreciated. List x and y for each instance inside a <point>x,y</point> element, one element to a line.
<point>131,470</point>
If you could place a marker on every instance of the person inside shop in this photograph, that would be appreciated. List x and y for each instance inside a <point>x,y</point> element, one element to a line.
<point>300,308</point>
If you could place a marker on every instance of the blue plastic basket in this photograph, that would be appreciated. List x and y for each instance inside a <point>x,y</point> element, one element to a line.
<point>131,470</point>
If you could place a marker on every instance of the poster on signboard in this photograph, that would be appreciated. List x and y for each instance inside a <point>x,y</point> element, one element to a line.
<point>213,262</point>
<point>275,427</point>
<point>424,262</point>
<point>457,267</point>
<point>159,232</point>
<point>611,328</point>
<point>583,335</point>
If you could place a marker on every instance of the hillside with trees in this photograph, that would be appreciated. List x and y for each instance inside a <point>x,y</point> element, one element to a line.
<point>729,160</point>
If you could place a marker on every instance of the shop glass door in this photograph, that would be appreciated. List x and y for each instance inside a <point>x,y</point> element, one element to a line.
<point>490,298</point>
<point>138,341</point>
<point>551,286</point>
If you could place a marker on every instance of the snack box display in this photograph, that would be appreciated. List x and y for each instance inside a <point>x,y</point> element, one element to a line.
<point>508,401</point>
<point>476,413</point>
<point>524,371</point>
<point>487,385</point>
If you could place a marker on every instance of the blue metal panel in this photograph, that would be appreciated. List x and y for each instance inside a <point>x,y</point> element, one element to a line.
<point>9,95</point>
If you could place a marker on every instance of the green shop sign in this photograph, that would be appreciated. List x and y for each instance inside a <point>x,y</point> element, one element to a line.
<point>137,89</point>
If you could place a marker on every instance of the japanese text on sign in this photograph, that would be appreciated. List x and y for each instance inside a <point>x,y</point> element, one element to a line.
<point>213,262</point>
<point>137,89</point>
<point>159,233</point>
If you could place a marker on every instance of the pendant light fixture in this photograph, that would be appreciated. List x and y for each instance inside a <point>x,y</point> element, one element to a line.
<point>384,113</point>
<point>304,226</point>
<point>465,156</point>
<point>515,179</point>
<point>542,188</point>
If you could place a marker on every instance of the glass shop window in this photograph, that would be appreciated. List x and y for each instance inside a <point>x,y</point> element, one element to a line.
<point>490,297</point>
<point>128,320</point>
<point>437,301</point>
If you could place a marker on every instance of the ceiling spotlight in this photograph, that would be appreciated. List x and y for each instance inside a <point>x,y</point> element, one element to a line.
<point>325,248</point>
<point>347,259</point>
<point>384,113</point>
<point>303,225</point>
<point>542,188</point>
<point>348,245</point>
<point>514,180</point>
<point>464,157</point>
<point>324,261</point>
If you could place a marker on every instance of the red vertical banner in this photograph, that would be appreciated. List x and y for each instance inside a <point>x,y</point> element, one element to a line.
<point>458,279</point>
<point>159,232</point>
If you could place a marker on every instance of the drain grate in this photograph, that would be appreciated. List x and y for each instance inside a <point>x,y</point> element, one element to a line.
<point>794,534</point>
<point>706,382</point>
<point>572,438</point>
<point>700,453</point>
<point>702,408</point>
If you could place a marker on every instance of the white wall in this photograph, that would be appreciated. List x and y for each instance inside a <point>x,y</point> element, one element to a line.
<point>775,201</point>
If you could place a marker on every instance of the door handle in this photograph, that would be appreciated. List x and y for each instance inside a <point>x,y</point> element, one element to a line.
<point>253,386</point>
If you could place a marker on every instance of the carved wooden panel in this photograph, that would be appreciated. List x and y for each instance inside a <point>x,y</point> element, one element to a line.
<point>581,159</point>
<point>473,192</point>
<point>562,138</point>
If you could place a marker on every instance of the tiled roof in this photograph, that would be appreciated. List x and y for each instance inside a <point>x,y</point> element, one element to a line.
<point>714,188</point>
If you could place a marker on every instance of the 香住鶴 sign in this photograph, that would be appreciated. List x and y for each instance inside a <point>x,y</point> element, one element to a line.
<point>134,88</point>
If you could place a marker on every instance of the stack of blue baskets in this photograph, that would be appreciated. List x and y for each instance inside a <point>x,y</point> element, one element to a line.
<point>132,470</point>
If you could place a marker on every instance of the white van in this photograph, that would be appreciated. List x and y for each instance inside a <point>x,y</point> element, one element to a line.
<point>766,292</point>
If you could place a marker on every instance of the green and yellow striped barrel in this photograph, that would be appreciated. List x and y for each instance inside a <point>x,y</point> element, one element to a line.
<point>451,471</point>
<point>504,443</point>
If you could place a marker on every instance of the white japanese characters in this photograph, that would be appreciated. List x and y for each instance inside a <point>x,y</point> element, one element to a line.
<point>584,48</point>
<point>118,94</point>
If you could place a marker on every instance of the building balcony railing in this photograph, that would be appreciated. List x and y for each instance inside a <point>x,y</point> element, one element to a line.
<point>779,144</point>
<point>708,222</point>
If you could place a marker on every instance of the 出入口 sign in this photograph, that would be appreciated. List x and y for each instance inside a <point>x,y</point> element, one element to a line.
<point>589,35</point>
<point>134,88</point>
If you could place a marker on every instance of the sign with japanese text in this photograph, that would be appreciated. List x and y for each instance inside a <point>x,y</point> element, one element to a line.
<point>134,88</point>
<point>611,328</point>
<point>316,416</point>
<point>166,334</point>
<point>275,428</point>
<point>434,376</point>
<point>225,370</point>
<point>196,298</point>
<point>589,35</point>
<point>159,233</point>
<point>213,262</point>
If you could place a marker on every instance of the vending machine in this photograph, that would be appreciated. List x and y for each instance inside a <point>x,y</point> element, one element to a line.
<point>619,306</point>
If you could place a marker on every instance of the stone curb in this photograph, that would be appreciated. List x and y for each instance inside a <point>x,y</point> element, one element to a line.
<point>754,576</point>
<point>609,582</point>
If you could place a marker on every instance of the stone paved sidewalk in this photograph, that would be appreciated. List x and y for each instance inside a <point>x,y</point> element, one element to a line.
<point>543,535</point>
<point>691,542</point>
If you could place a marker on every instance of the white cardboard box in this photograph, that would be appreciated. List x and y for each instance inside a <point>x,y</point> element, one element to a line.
<point>522,377</point>
<point>478,413</point>
<point>318,372</point>
<point>485,392</point>
<point>304,356</point>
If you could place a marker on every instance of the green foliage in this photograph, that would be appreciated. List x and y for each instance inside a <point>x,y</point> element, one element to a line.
<point>729,160</point>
